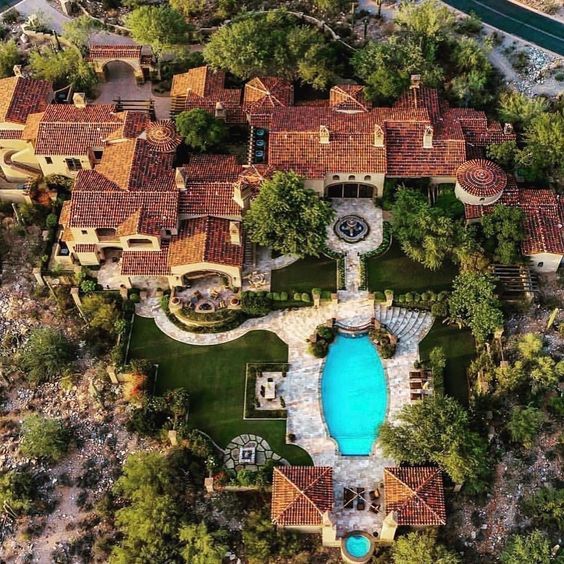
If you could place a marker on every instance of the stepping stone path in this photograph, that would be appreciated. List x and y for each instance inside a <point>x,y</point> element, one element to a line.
<point>263,453</point>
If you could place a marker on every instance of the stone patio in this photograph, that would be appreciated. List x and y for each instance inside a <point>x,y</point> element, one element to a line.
<point>263,453</point>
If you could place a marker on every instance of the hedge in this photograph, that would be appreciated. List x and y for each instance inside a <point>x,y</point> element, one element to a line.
<point>250,411</point>
<point>378,251</point>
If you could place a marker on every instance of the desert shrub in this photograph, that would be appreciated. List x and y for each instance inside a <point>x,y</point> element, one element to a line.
<point>255,303</point>
<point>88,286</point>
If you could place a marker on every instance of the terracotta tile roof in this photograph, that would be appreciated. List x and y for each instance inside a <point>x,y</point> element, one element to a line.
<point>134,123</point>
<point>146,263</point>
<point>267,92</point>
<point>64,216</point>
<point>161,135</point>
<point>85,248</point>
<point>349,97</point>
<point>301,495</point>
<point>96,202</point>
<point>543,220</point>
<point>204,239</point>
<point>114,51</point>
<point>202,87</point>
<point>11,133</point>
<point>422,97</point>
<point>21,97</point>
<point>68,130</point>
<point>31,127</point>
<point>481,178</point>
<point>416,495</point>
<point>210,181</point>
<point>136,164</point>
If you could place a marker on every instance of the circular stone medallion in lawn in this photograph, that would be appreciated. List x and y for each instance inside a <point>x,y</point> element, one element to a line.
<point>249,452</point>
<point>351,228</point>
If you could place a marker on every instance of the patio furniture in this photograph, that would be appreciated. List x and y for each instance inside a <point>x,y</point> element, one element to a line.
<point>262,391</point>
<point>360,500</point>
<point>374,494</point>
<point>270,390</point>
<point>348,498</point>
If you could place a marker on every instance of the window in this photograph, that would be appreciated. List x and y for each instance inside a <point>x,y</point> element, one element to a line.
<point>540,264</point>
<point>351,177</point>
<point>335,177</point>
<point>482,199</point>
<point>84,232</point>
<point>367,177</point>
<point>139,242</point>
<point>73,164</point>
<point>48,160</point>
<point>98,155</point>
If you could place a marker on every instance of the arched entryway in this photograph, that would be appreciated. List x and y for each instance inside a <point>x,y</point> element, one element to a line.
<point>349,190</point>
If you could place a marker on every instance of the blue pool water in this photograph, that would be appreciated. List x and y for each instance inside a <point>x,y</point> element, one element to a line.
<point>354,394</point>
<point>357,545</point>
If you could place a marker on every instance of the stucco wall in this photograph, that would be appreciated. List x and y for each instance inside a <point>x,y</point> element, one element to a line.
<point>59,166</point>
<point>550,262</point>
<point>467,198</point>
<point>233,272</point>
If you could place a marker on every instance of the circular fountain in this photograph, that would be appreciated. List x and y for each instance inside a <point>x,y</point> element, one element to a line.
<point>351,228</point>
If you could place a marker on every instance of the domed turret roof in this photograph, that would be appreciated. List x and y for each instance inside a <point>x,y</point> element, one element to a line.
<point>481,178</point>
<point>162,135</point>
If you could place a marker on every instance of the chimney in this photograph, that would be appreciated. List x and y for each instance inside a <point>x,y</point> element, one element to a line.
<point>18,71</point>
<point>428,137</point>
<point>378,136</point>
<point>323,134</point>
<point>79,100</point>
<point>415,81</point>
<point>220,112</point>
<point>235,233</point>
<point>507,129</point>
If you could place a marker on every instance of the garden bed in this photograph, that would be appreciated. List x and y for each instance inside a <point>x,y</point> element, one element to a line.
<point>250,411</point>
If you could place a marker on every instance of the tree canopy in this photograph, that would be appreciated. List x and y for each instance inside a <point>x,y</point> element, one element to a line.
<point>423,549</point>
<point>188,8</point>
<point>78,30</point>
<point>473,302</point>
<point>201,130</point>
<point>288,217</point>
<point>9,56</point>
<point>161,27</point>
<point>272,43</point>
<point>437,429</point>
<point>17,490</point>
<point>46,355</point>
<point>200,546</point>
<point>533,548</point>
<point>44,438</point>
<point>504,228</point>
<point>524,424</point>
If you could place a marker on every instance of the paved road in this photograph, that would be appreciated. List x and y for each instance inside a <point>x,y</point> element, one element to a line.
<point>511,18</point>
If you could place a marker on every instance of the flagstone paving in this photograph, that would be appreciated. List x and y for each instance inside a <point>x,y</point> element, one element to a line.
<point>301,387</point>
<point>263,452</point>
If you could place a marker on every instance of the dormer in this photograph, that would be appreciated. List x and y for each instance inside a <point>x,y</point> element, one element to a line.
<point>79,100</point>
<point>324,135</point>
<point>507,129</point>
<point>428,137</point>
<point>378,136</point>
<point>235,233</point>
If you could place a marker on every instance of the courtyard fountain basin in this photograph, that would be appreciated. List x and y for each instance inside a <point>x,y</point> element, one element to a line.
<point>354,394</point>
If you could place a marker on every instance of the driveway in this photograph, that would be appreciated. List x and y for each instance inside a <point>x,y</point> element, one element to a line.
<point>120,83</point>
<point>511,18</point>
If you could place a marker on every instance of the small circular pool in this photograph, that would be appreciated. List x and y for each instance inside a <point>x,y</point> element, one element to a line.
<point>357,546</point>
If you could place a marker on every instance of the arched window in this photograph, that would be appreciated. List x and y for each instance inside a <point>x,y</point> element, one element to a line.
<point>368,177</point>
<point>336,177</point>
<point>352,177</point>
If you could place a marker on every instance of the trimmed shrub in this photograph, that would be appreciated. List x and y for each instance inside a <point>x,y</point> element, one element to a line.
<point>283,296</point>
<point>316,292</point>
<point>305,297</point>
<point>439,309</point>
<point>425,297</point>
<point>269,295</point>
<point>442,296</point>
<point>325,295</point>
<point>255,303</point>
<point>379,297</point>
<point>134,297</point>
<point>416,297</point>
<point>324,332</point>
<point>52,220</point>
<point>297,297</point>
<point>319,349</point>
<point>409,298</point>
<point>275,296</point>
<point>401,299</point>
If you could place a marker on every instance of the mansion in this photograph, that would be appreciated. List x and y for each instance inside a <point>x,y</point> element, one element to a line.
<point>135,199</point>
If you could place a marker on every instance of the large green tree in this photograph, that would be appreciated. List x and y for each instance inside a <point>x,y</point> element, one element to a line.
<point>189,8</point>
<point>201,130</point>
<point>43,437</point>
<point>533,548</point>
<point>272,43</point>
<point>288,217</point>
<point>473,302</point>
<point>46,355</point>
<point>9,56</point>
<point>200,546</point>
<point>425,233</point>
<point>161,27</point>
<point>504,228</point>
<point>519,109</point>
<point>421,547</point>
<point>524,424</point>
<point>429,20</point>
<point>79,30</point>
<point>437,429</point>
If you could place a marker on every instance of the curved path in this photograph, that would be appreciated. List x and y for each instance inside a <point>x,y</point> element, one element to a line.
<point>517,20</point>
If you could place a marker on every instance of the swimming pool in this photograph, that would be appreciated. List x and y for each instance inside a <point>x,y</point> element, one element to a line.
<point>354,394</point>
<point>357,545</point>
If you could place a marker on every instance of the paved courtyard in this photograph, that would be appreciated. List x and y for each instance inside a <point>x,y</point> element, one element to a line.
<point>301,387</point>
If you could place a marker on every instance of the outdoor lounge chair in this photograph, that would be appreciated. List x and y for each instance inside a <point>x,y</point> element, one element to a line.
<point>348,498</point>
<point>360,500</point>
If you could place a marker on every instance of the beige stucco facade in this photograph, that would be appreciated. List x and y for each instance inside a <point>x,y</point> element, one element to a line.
<point>545,262</point>
<point>233,272</point>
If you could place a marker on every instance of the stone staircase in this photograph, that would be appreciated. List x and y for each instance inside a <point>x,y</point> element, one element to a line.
<point>406,324</point>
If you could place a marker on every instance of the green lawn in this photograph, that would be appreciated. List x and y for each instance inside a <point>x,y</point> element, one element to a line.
<point>459,348</point>
<point>305,274</point>
<point>394,271</point>
<point>215,378</point>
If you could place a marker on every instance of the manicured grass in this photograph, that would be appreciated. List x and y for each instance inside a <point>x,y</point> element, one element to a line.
<point>459,347</point>
<point>305,274</point>
<point>394,271</point>
<point>215,378</point>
